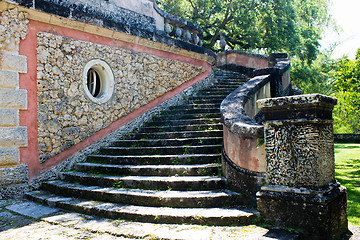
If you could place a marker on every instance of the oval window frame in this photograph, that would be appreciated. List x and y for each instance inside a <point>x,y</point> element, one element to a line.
<point>107,83</point>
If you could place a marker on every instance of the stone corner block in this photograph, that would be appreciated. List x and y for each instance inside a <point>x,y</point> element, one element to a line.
<point>17,63</point>
<point>13,99</point>
<point>12,137</point>
<point>9,79</point>
<point>9,157</point>
<point>9,117</point>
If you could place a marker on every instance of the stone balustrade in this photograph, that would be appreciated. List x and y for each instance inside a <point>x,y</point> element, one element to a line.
<point>181,29</point>
<point>244,163</point>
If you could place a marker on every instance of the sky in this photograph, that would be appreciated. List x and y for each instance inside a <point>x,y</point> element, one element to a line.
<point>347,16</point>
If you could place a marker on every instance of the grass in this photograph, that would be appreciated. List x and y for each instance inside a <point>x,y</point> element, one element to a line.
<point>347,160</point>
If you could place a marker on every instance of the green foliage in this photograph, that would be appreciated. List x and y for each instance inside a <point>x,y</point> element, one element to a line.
<point>347,112</point>
<point>347,90</point>
<point>348,75</point>
<point>314,77</point>
<point>280,25</point>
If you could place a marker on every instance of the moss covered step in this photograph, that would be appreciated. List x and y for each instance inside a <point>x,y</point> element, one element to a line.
<point>147,182</point>
<point>208,96</point>
<point>158,150</point>
<point>182,122</point>
<point>141,197</point>
<point>196,106</point>
<point>168,142</point>
<point>150,170</point>
<point>209,216</point>
<point>185,116</point>
<point>192,111</point>
<point>193,127</point>
<point>202,100</point>
<point>182,134</point>
<point>156,159</point>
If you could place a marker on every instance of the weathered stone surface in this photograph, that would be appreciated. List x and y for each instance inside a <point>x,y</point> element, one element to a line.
<point>310,106</point>
<point>300,154</point>
<point>13,28</point>
<point>11,137</point>
<point>13,175</point>
<point>12,62</point>
<point>321,215</point>
<point>9,79</point>
<point>9,157</point>
<point>242,180</point>
<point>68,115</point>
<point>300,144</point>
<point>9,117</point>
<point>31,209</point>
<point>16,99</point>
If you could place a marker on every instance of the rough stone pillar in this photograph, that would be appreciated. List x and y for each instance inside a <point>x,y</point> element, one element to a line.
<point>301,190</point>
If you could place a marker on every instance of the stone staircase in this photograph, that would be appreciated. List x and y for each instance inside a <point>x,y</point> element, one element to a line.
<point>167,172</point>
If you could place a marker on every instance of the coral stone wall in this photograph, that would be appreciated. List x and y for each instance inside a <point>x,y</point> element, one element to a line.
<point>66,115</point>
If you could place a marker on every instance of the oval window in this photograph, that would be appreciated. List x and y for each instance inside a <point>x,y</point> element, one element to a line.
<point>93,82</point>
<point>98,81</point>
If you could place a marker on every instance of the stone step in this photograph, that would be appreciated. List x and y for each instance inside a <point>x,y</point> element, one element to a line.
<point>214,93</point>
<point>191,111</point>
<point>171,142</point>
<point>160,150</point>
<point>183,134</point>
<point>181,183</point>
<point>186,116</point>
<point>203,101</point>
<point>181,122</point>
<point>205,216</point>
<point>185,127</point>
<point>231,81</point>
<point>150,170</point>
<point>196,106</point>
<point>207,97</point>
<point>156,159</point>
<point>225,87</point>
<point>141,197</point>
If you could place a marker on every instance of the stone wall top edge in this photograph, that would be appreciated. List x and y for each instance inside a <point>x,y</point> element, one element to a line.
<point>306,99</point>
<point>261,56</point>
<point>298,121</point>
<point>107,12</point>
<point>153,39</point>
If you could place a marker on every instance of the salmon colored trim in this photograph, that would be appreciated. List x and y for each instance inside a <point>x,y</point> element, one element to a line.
<point>30,154</point>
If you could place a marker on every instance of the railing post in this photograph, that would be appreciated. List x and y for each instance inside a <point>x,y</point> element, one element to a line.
<point>301,190</point>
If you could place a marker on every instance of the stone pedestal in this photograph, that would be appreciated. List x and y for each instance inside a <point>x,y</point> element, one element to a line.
<point>301,190</point>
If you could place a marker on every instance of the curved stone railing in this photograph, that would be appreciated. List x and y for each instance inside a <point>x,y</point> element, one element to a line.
<point>179,28</point>
<point>243,154</point>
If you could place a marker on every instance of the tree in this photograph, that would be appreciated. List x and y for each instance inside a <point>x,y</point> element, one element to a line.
<point>291,26</point>
<point>317,76</point>
<point>347,90</point>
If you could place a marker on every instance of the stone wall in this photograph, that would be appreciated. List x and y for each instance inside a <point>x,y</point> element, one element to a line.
<point>66,116</point>
<point>13,28</point>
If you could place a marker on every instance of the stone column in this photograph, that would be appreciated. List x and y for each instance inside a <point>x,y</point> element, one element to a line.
<point>301,190</point>
<point>13,174</point>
